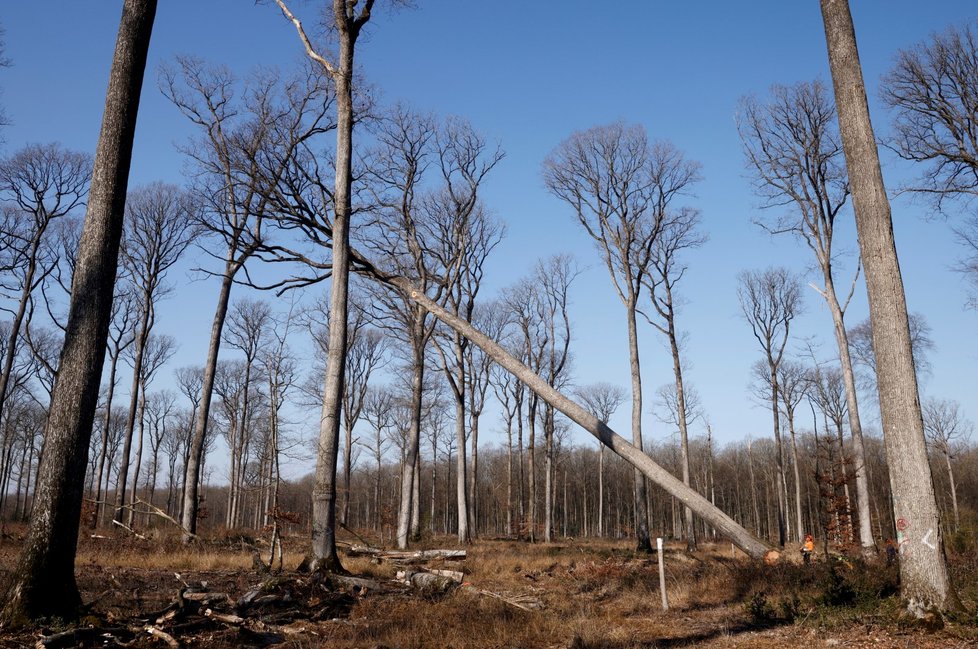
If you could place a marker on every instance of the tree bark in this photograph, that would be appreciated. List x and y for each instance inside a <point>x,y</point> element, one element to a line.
<point>639,492</point>
<point>44,582</point>
<point>411,453</point>
<point>191,483</point>
<point>924,580</point>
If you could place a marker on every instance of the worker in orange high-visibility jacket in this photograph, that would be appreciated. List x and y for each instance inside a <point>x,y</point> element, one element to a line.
<point>808,548</point>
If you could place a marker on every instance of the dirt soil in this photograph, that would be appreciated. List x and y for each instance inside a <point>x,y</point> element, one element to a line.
<point>577,595</point>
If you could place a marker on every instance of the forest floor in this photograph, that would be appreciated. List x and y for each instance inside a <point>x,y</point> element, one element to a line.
<point>574,594</point>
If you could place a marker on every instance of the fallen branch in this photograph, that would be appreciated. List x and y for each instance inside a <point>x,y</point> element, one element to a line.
<point>454,575</point>
<point>74,637</point>
<point>357,582</point>
<point>206,598</point>
<point>523,602</point>
<point>164,636</point>
<point>224,617</point>
<point>156,511</point>
<point>129,529</point>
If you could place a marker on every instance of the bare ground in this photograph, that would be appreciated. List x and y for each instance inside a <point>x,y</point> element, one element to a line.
<point>579,594</point>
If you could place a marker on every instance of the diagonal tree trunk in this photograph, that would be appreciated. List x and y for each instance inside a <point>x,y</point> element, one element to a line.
<point>702,507</point>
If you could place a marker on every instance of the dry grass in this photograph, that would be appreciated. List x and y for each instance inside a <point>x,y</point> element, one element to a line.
<point>595,594</point>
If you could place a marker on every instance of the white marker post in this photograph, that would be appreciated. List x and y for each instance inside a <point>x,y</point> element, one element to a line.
<point>662,574</point>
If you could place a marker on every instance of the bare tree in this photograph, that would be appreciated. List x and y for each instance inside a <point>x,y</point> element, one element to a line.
<point>348,21</point>
<point>679,233</point>
<point>46,563</point>
<point>861,341</point>
<point>826,387</point>
<point>156,353</point>
<point>367,349</point>
<point>122,334</point>
<point>602,400</point>
<point>793,385</point>
<point>279,365</point>
<point>464,235</point>
<point>770,300</point>
<point>924,580</point>
<point>159,228</point>
<point>794,152</point>
<point>38,185</point>
<point>249,324</point>
<point>190,380</point>
<point>946,428</point>
<point>378,412</point>
<point>245,146</point>
<point>438,233</point>
<point>159,414</point>
<point>931,89</point>
<point>553,278</point>
<point>530,346</point>
<point>621,187</point>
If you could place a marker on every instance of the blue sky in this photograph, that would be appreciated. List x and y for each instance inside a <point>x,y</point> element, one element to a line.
<point>528,75</point>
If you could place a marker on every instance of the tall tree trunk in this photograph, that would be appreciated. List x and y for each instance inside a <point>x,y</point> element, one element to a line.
<point>474,467</point>
<point>411,453</point>
<point>954,492</point>
<point>601,490</point>
<point>416,498</point>
<point>866,541</point>
<point>531,415</point>
<point>924,580</point>
<point>639,492</point>
<point>347,470</point>
<point>46,564</point>
<point>102,469</point>
<point>753,489</point>
<point>549,485</point>
<point>324,491</point>
<point>677,369</point>
<point>192,471</point>
<point>139,451</point>
<point>18,321</point>
<point>509,475</point>
<point>800,531</point>
<point>461,486</point>
<point>780,487</point>
<point>137,367</point>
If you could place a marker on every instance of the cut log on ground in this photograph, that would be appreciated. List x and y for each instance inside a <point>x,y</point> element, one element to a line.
<point>406,556</point>
<point>428,583</point>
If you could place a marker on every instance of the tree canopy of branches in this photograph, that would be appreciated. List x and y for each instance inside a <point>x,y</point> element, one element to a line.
<point>620,187</point>
<point>770,300</point>
<point>794,151</point>
<point>246,142</point>
<point>38,185</point>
